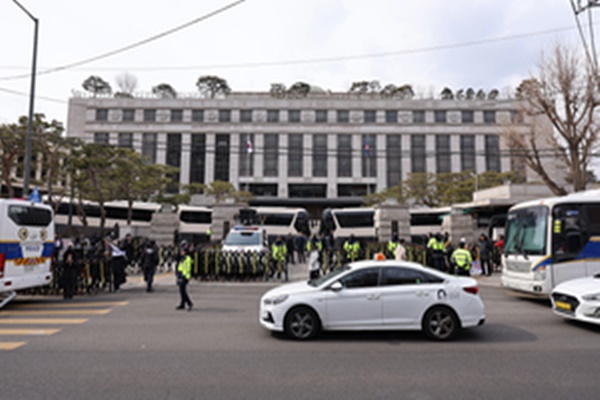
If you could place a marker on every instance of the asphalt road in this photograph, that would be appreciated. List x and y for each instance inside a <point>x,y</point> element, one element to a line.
<point>134,345</point>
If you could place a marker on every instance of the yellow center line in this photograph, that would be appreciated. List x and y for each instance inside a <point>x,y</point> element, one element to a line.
<point>40,332</point>
<point>54,312</point>
<point>43,321</point>
<point>11,345</point>
<point>70,305</point>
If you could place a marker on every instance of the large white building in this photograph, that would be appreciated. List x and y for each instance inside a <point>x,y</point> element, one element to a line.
<point>326,148</point>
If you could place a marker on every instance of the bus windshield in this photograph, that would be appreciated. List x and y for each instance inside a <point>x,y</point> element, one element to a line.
<point>526,231</point>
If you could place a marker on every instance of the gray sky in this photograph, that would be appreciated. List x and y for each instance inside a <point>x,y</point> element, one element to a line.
<point>430,44</point>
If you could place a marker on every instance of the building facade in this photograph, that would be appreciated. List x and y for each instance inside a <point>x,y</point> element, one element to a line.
<point>331,148</point>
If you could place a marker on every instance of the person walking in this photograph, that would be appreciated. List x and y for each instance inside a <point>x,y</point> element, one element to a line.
<point>300,247</point>
<point>184,274</point>
<point>149,263</point>
<point>279,255</point>
<point>461,259</point>
<point>484,255</point>
<point>69,273</point>
<point>313,260</point>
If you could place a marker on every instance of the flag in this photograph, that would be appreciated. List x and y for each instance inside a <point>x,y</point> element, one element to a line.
<point>366,149</point>
<point>249,146</point>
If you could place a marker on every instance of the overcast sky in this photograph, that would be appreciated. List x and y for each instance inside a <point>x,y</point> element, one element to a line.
<point>429,44</point>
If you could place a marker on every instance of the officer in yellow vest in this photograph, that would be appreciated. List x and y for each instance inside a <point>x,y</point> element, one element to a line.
<point>278,255</point>
<point>392,246</point>
<point>352,249</point>
<point>435,250</point>
<point>184,274</point>
<point>461,259</point>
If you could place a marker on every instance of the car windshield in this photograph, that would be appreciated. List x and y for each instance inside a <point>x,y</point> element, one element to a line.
<point>243,238</point>
<point>526,231</point>
<point>319,281</point>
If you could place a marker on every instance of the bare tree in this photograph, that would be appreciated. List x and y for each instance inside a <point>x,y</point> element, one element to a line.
<point>565,94</point>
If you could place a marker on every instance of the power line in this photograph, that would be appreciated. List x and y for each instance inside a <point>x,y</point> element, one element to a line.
<point>130,46</point>
<point>17,93</point>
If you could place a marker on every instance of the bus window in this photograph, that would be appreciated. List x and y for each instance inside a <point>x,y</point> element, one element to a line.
<point>356,219</point>
<point>567,232</point>
<point>276,219</point>
<point>29,216</point>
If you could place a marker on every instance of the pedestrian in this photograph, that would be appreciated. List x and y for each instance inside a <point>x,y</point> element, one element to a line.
<point>313,259</point>
<point>498,250</point>
<point>484,255</point>
<point>290,245</point>
<point>400,252</point>
<point>118,262</point>
<point>69,273</point>
<point>149,263</point>
<point>435,250</point>
<point>461,259</point>
<point>300,247</point>
<point>184,273</point>
<point>279,255</point>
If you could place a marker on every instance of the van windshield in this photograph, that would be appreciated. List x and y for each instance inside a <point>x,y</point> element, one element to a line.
<point>243,238</point>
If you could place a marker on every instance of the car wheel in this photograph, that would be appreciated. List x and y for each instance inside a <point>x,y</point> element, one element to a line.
<point>440,323</point>
<point>301,323</point>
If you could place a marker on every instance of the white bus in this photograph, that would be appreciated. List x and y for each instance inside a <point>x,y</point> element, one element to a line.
<point>277,221</point>
<point>343,222</point>
<point>550,241</point>
<point>194,223</point>
<point>26,246</point>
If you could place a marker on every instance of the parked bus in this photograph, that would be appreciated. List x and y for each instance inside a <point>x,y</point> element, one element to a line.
<point>194,223</point>
<point>26,246</point>
<point>277,221</point>
<point>550,241</point>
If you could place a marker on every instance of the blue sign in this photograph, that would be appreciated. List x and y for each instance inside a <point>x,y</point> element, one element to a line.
<point>34,197</point>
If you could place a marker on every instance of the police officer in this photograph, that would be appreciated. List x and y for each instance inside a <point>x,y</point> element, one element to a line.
<point>393,245</point>
<point>184,274</point>
<point>352,248</point>
<point>279,254</point>
<point>461,259</point>
<point>149,263</point>
<point>435,247</point>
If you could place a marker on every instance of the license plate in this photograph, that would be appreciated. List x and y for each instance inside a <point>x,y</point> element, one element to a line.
<point>562,305</point>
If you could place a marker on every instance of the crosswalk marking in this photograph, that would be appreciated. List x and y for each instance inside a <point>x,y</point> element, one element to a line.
<point>43,321</point>
<point>70,305</point>
<point>40,332</point>
<point>11,345</point>
<point>25,313</point>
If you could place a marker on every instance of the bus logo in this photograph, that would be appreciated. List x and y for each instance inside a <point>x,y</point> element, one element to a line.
<point>23,234</point>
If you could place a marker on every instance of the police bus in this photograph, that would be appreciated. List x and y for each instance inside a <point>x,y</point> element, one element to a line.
<point>26,246</point>
<point>194,223</point>
<point>550,241</point>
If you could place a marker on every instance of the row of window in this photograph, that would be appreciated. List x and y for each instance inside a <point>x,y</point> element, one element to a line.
<point>319,153</point>
<point>293,116</point>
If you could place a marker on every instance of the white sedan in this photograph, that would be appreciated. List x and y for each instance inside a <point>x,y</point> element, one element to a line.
<point>578,299</point>
<point>375,295</point>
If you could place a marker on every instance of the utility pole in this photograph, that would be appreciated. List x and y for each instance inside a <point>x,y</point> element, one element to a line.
<point>28,143</point>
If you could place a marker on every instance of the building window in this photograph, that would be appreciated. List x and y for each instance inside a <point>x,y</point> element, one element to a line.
<point>417,153</point>
<point>343,116</point>
<point>197,115</point>
<point>293,115</point>
<point>177,115</point>
<point>370,116</point>
<point>319,161</point>
<point>264,189</point>
<point>149,147</point>
<point>489,117</point>
<point>197,158</point>
<point>369,156</point>
<point>245,115</point>
<point>224,115</point>
<point>467,152</point>
<point>271,155</point>
<point>344,155</point>
<point>391,116</point>
<point>393,154</point>
<point>246,154</point>
<point>467,116</point>
<point>174,160</point>
<point>295,155</point>
<point>272,115</point>
<point>101,137</point>
<point>492,153</point>
<point>128,114</point>
<point>222,158</point>
<point>126,140</point>
<point>418,117</point>
<point>442,154</point>
<point>516,117</point>
<point>321,116</point>
<point>439,116</point>
<point>307,191</point>
<point>352,190</point>
<point>149,115</point>
<point>101,114</point>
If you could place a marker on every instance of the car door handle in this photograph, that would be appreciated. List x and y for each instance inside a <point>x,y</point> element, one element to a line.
<point>373,297</point>
<point>422,293</point>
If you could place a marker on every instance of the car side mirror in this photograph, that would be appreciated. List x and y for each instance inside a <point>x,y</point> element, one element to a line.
<point>336,286</point>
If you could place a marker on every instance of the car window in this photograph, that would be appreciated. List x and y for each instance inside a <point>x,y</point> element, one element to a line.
<point>243,238</point>
<point>406,276</point>
<point>359,279</point>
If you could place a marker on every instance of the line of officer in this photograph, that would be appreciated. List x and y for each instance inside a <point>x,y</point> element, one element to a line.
<point>461,259</point>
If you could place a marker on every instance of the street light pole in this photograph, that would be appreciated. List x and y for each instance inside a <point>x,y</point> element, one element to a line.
<point>28,143</point>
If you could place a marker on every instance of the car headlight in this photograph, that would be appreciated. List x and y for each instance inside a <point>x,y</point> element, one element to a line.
<point>276,300</point>
<point>591,297</point>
